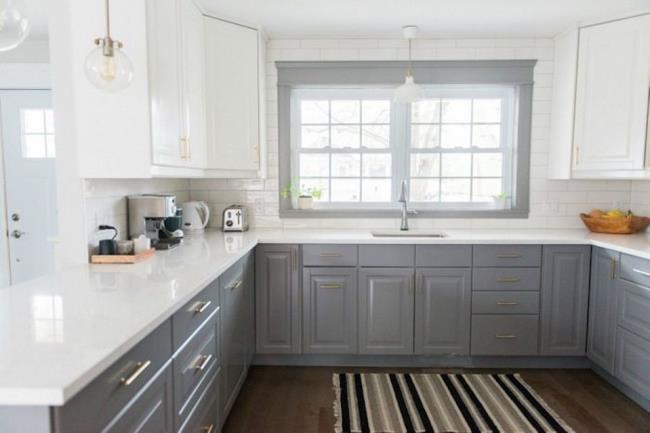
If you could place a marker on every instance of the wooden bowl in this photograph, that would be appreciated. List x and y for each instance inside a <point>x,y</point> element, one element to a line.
<point>621,225</point>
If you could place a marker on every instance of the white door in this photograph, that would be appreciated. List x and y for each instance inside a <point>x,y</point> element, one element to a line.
<point>27,127</point>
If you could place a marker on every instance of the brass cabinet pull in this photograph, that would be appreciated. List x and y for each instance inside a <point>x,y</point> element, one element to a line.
<point>200,307</point>
<point>509,256</point>
<point>505,336</point>
<point>140,368</point>
<point>612,269</point>
<point>639,271</point>
<point>507,303</point>
<point>183,149</point>
<point>508,280</point>
<point>236,285</point>
<point>331,255</point>
<point>202,362</point>
<point>331,286</point>
<point>208,429</point>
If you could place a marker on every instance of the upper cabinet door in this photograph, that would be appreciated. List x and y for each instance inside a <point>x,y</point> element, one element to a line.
<point>163,29</point>
<point>233,103</point>
<point>613,79</point>
<point>193,85</point>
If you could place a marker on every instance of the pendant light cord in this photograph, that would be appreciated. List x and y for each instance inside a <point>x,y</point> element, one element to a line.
<point>410,71</point>
<point>108,19</point>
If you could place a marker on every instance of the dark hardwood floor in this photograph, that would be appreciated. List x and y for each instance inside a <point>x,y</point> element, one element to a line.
<point>300,399</point>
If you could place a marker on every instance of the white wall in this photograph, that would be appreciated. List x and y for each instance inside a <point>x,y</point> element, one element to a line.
<point>554,204</point>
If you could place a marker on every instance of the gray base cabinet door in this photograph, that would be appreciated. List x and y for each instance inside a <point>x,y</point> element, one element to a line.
<point>633,361</point>
<point>330,310</point>
<point>565,297</point>
<point>442,311</point>
<point>602,309</point>
<point>277,297</point>
<point>386,303</point>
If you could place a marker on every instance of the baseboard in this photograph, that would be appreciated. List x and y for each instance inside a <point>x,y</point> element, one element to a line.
<point>419,361</point>
<point>616,383</point>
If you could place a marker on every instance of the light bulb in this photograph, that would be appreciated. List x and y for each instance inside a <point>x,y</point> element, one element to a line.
<point>109,69</point>
<point>14,24</point>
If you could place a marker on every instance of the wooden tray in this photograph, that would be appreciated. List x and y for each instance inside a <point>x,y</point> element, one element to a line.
<point>622,225</point>
<point>112,260</point>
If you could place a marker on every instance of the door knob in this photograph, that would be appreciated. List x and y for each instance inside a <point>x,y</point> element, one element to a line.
<point>17,234</point>
<point>15,217</point>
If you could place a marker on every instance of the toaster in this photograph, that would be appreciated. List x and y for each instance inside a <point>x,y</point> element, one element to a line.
<point>235,218</point>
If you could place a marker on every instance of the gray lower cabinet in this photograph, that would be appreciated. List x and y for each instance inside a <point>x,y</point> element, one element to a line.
<point>277,298</point>
<point>633,361</point>
<point>386,303</point>
<point>442,311</point>
<point>565,297</point>
<point>602,308</point>
<point>329,310</point>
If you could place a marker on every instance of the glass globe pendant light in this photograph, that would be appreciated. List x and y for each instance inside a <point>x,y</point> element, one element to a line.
<point>107,67</point>
<point>409,91</point>
<point>14,24</point>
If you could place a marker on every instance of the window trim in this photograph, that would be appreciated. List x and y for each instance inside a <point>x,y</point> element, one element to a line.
<point>517,73</point>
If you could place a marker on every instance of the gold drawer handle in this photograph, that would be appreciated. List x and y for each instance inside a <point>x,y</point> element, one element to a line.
<point>331,286</point>
<point>507,303</point>
<point>509,256</point>
<point>208,429</point>
<point>200,307</point>
<point>202,362</point>
<point>331,255</point>
<point>236,285</point>
<point>508,280</point>
<point>140,368</point>
<point>505,337</point>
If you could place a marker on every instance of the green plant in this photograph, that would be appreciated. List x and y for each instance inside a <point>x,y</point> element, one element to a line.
<point>501,196</point>
<point>293,190</point>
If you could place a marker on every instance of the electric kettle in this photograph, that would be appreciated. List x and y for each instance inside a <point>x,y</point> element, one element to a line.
<point>196,215</point>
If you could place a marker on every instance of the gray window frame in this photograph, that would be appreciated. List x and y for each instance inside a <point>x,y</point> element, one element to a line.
<point>516,73</point>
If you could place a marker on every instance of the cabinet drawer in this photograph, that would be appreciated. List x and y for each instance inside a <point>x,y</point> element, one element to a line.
<point>505,303</point>
<point>387,255</point>
<point>634,308</point>
<point>515,279</point>
<point>508,255</point>
<point>192,314</point>
<point>99,402</point>
<point>633,361</point>
<point>447,256</point>
<point>635,269</point>
<point>329,255</point>
<point>196,362</point>
<point>205,413</point>
<point>504,334</point>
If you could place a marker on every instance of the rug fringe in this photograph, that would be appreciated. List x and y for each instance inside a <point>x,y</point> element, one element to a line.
<point>338,423</point>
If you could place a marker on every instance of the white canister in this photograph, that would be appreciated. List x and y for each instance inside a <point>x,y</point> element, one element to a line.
<point>141,244</point>
<point>305,202</point>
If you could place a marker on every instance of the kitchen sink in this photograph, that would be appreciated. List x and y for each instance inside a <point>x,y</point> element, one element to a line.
<point>406,234</point>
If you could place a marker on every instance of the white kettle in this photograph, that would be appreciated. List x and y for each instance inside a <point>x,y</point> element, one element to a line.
<point>196,215</point>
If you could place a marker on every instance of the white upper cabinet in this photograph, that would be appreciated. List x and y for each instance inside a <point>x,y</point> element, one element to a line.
<point>603,131</point>
<point>233,97</point>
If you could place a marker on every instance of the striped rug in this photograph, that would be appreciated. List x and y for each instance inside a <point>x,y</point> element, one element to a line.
<point>450,403</point>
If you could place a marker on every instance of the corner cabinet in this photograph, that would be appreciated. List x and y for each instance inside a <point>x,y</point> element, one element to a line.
<point>600,108</point>
<point>564,299</point>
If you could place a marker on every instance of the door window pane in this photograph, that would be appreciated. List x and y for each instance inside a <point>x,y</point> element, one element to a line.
<point>376,190</point>
<point>33,121</point>
<point>345,190</point>
<point>34,146</point>
<point>346,164</point>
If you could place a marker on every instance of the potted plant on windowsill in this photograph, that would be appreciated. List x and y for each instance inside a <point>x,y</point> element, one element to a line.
<point>304,197</point>
<point>501,200</point>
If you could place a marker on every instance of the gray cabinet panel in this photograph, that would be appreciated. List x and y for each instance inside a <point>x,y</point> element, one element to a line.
<point>602,308</point>
<point>151,412</point>
<point>443,256</point>
<point>504,334</point>
<point>329,255</point>
<point>505,302</point>
<point>192,314</point>
<point>635,269</point>
<point>329,310</point>
<point>516,279</point>
<point>387,255</point>
<point>205,414</point>
<point>277,297</point>
<point>633,361</point>
<point>442,311</point>
<point>565,296</point>
<point>386,303</point>
<point>249,281</point>
<point>507,255</point>
<point>634,308</point>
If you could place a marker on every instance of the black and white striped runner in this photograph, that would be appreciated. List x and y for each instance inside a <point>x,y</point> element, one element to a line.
<point>437,403</point>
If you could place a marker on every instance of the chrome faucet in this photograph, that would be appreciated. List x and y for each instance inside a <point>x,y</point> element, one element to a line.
<point>403,198</point>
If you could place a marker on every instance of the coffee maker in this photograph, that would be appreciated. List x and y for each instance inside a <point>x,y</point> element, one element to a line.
<point>147,216</point>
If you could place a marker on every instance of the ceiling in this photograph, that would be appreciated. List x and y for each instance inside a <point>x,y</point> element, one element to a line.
<point>436,18</point>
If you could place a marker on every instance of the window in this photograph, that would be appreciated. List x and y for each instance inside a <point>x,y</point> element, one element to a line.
<point>37,133</point>
<point>462,149</point>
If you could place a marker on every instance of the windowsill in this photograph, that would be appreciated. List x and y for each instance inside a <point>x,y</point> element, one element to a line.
<point>393,213</point>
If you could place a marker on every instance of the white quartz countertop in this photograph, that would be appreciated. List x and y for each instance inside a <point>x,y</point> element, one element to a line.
<point>59,332</point>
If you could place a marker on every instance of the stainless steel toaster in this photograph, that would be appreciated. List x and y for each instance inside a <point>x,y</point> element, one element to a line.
<point>235,218</point>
